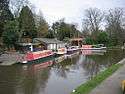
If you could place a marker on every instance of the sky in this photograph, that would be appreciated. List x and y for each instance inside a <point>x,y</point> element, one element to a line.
<point>72,10</point>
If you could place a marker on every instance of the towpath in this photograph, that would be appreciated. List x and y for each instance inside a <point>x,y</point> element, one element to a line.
<point>10,59</point>
<point>112,85</point>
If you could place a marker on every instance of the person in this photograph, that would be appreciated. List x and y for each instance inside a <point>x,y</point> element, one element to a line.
<point>123,86</point>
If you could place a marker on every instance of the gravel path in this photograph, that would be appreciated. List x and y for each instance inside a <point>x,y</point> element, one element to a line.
<point>112,85</point>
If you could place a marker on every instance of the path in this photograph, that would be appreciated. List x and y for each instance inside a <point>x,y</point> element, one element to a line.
<point>112,85</point>
<point>10,59</point>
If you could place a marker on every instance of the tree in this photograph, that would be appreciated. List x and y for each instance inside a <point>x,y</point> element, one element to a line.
<point>114,21</point>
<point>42,25</point>
<point>5,14</point>
<point>50,34</point>
<point>17,5</point>
<point>55,28</point>
<point>103,38</point>
<point>85,29</point>
<point>64,30</point>
<point>10,35</point>
<point>93,20</point>
<point>89,41</point>
<point>61,29</point>
<point>27,23</point>
<point>75,33</point>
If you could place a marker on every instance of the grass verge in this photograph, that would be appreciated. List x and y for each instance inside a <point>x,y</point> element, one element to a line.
<point>91,84</point>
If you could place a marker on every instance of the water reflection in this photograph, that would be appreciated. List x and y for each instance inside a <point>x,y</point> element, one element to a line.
<point>93,52</point>
<point>62,68</point>
<point>58,76</point>
<point>93,64</point>
<point>35,78</point>
<point>8,80</point>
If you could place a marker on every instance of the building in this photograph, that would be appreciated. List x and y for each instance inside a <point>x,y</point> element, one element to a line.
<point>39,44</point>
<point>49,44</point>
<point>76,42</point>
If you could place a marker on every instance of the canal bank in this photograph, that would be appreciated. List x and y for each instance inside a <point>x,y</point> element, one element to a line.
<point>112,84</point>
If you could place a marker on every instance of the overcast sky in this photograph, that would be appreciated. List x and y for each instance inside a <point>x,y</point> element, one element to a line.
<point>72,10</point>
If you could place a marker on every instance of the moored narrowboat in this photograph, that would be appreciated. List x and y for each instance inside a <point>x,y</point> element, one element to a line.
<point>61,51</point>
<point>93,47</point>
<point>72,49</point>
<point>32,56</point>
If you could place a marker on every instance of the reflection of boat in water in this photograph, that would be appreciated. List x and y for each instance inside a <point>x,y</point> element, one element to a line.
<point>43,65</point>
<point>60,59</point>
<point>93,52</point>
<point>93,47</point>
<point>61,51</point>
<point>72,55</point>
<point>46,63</point>
<point>38,66</point>
<point>72,49</point>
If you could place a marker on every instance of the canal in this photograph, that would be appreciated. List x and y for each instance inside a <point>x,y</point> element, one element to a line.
<point>57,76</point>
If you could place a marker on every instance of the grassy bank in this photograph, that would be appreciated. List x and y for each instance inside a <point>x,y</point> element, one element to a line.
<point>91,84</point>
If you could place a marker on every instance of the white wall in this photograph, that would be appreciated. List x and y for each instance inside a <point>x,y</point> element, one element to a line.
<point>53,46</point>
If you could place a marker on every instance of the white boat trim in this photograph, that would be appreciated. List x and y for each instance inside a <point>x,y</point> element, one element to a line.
<point>24,62</point>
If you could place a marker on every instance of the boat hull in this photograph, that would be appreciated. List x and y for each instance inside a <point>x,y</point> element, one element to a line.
<point>90,47</point>
<point>72,49</point>
<point>35,56</point>
<point>41,60</point>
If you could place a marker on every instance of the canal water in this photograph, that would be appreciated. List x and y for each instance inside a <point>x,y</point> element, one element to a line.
<point>57,76</point>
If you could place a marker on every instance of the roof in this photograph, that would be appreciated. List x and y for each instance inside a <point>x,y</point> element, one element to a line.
<point>76,39</point>
<point>26,44</point>
<point>47,40</point>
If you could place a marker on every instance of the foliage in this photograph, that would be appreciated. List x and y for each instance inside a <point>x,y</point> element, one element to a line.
<point>88,86</point>
<point>16,6</point>
<point>66,40</point>
<point>42,26</point>
<point>27,23</point>
<point>62,30</point>
<point>103,38</point>
<point>89,41</point>
<point>50,34</point>
<point>32,25</point>
<point>10,35</point>
<point>5,14</point>
<point>114,26</point>
<point>114,20</point>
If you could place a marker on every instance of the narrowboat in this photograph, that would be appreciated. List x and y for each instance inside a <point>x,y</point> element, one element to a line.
<point>34,56</point>
<point>93,47</point>
<point>61,51</point>
<point>72,49</point>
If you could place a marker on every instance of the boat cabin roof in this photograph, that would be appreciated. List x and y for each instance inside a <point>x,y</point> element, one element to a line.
<point>47,41</point>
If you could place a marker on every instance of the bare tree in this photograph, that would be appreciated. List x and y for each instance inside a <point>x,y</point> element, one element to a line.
<point>85,28</point>
<point>92,20</point>
<point>114,21</point>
